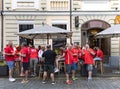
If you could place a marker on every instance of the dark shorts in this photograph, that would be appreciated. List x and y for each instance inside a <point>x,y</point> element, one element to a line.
<point>25,66</point>
<point>48,67</point>
<point>68,68</point>
<point>74,66</point>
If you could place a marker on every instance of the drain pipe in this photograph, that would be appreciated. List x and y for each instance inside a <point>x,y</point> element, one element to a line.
<point>2,25</point>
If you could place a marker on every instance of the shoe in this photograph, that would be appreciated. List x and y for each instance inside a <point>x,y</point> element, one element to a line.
<point>12,79</point>
<point>44,82</point>
<point>69,82</point>
<point>74,78</point>
<point>24,81</point>
<point>56,70</point>
<point>53,82</point>
<point>89,78</point>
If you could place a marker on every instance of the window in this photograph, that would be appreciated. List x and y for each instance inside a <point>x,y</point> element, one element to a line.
<point>95,5</point>
<point>25,4</point>
<point>23,27</point>
<point>59,4</point>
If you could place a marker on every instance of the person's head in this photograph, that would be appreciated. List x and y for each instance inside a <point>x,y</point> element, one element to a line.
<point>48,47</point>
<point>75,46</point>
<point>24,44</point>
<point>87,46</point>
<point>39,47</point>
<point>69,46</point>
<point>10,43</point>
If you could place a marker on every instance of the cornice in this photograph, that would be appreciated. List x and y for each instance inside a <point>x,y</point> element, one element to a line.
<point>60,13</point>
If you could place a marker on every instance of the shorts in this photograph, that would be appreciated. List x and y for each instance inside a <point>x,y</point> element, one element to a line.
<point>74,66</point>
<point>48,67</point>
<point>97,59</point>
<point>89,67</point>
<point>10,64</point>
<point>68,68</point>
<point>25,66</point>
<point>33,63</point>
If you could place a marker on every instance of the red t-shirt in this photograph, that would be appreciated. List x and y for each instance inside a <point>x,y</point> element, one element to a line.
<point>68,57</point>
<point>99,54</point>
<point>25,51</point>
<point>75,52</point>
<point>88,57</point>
<point>9,50</point>
<point>33,53</point>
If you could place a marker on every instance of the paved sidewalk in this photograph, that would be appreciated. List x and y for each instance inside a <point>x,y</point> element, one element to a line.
<point>81,83</point>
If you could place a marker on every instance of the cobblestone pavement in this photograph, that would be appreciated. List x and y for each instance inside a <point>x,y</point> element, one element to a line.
<point>81,83</point>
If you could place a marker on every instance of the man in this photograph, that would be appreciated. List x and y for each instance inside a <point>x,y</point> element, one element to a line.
<point>49,59</point>
<point>68,61</point>
<point>99,55</point>
<point>75,52</point>
<point>9,57</point>
<point>33,60</point>
<point>24,53</point>
<point>88,54</point>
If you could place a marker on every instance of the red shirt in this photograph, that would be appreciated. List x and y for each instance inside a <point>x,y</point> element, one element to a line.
<point>9,50</point>
<point>88,57</point>
<point>25,50</point>
<point>75,52</point>
<point>99,54</point>
<point>17,57</point>
<point>68,57</point>
<point>33,53</point>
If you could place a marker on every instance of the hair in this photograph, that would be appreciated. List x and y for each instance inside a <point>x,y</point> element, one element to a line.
<point>24,44</point>
<point>48,46</point>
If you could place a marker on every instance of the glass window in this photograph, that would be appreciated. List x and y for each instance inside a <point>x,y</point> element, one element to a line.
<point>23,27</point>
<point>25,4</point>
<point>95,5</point>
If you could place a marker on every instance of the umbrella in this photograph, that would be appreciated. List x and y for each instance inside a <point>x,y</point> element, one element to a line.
<point>45,32</point>
<point>113,31</point>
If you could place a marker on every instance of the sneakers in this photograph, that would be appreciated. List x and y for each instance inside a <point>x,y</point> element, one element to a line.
<point>56,70</point>
<point>69,82</point>
<point>24,81</point>
<point>12,79</point>
<point>53,82</point>
<point>74,78</point>
<point>44,82</point>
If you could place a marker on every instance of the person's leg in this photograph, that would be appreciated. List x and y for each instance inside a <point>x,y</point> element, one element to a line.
<point>68,70</point>
<point>11,66</point>
<point>74,68</point>
<point>25,68</point>
<point>45,73</point>
<point>31,66</point>
<point>89,68</point>
<point>35,65</point>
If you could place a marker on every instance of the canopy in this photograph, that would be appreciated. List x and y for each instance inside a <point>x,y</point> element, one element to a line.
<point>45,31</point>
<point>42,31</point>
<point>113,31</point>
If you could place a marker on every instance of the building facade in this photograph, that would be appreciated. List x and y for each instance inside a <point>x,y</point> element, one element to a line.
<point>84,18</point>
<point>0,22</point>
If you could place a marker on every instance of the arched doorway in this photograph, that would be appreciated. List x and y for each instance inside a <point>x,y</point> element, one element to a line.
<point>88,31</point>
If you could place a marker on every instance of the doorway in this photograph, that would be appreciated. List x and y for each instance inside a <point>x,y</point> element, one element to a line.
<point>90,29</point>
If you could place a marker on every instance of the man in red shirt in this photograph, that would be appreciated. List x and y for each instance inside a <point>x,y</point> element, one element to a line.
<point>88,59</point>
<point>24,53</point>
<point>33,60</point>
<point>9,57</point>
<point>68,61</point>
<point>99,55</point>
<point>75,52</point>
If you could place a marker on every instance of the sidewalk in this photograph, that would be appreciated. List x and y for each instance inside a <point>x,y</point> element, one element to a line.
<point>81,83</point>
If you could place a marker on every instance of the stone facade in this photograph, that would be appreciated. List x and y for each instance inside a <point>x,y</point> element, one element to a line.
<point>38,11</point>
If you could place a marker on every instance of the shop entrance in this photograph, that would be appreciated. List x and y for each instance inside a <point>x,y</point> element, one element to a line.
<point>90,29</point>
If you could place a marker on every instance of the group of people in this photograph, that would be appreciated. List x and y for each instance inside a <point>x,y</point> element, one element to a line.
<point>29,57</point>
